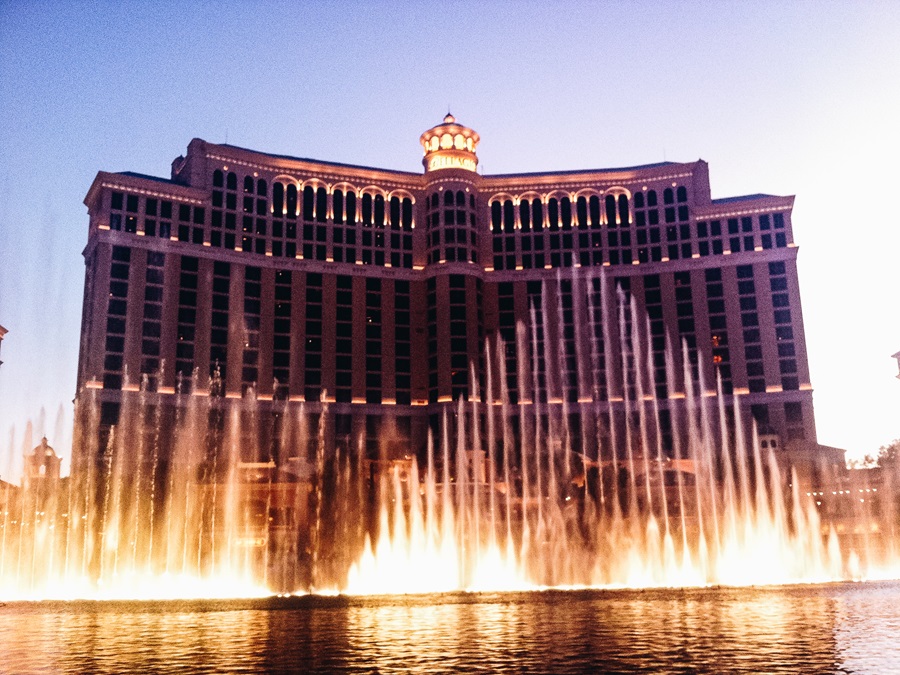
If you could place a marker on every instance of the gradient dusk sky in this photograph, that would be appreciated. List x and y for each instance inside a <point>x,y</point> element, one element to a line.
<point>798,98</point>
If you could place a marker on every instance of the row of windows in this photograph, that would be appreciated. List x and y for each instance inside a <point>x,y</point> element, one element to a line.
<point>318,242</point>
<point>458,329</point>
<point>431,318</point>
<point>532,216</point>
<point>250,332</point>
<point>753,353</point>
<point>218,356</point>
<point>458,326</point>
<point>344,342</point>
<point>157,219</point>
<point>459,347</point>
<point>506,317</point>
<point>457,239</point>
<point>503,214</point>
<point>252,307</point>
<point>658,345</point>
<point>117,305</point>
<point>402,342</point>
<point>258,235</point>
<point>151,329</point>
<point>373,340</point>
<point>793,416</point>
<point>787,362</point>
<point>281,335</point>
<point>721,355</point>
<point>312,371</point>
<point>685,326</point>
<point>515,249</point>
<point>590,211</point>
<point>684,310</point>
<point>312,203</point>
<point>565,354</point>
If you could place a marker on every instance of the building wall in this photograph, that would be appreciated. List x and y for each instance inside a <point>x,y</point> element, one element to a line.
<point>377,293</point>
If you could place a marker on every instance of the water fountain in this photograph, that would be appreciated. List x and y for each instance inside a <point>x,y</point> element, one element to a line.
<point>504,496</point>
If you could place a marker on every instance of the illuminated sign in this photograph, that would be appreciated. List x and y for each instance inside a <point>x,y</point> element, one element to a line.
<point>451,162</point>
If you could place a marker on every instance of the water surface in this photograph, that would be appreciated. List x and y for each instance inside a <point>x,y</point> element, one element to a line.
<point>834,628</point>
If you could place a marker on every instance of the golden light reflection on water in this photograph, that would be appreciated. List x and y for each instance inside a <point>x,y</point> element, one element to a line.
<point>411,636</point>
<point>826,629</point>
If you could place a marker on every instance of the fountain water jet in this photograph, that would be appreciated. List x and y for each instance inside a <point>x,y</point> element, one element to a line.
<point>569,484</point>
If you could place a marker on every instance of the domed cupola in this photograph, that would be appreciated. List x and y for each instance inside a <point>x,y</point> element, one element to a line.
<point>449,145</point>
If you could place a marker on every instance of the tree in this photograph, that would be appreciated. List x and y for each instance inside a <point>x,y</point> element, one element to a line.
<point>889,455</point>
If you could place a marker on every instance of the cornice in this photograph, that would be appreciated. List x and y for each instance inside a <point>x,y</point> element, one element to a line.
<point>325,170</point>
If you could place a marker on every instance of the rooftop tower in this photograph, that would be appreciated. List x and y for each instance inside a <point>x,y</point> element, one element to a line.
<point>450,145</point>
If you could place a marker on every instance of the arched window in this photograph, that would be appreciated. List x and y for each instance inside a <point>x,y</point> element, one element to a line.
<point>581,212</point>
<point>407,213</point>
<point>232,181</point>
<point>395,213</point>
<point>651,198</point>
<point>351,208</point>
<point>321,205</point>
<point>435,200</point>
<point>623,210</point>
<point>460,199</point>
<point>309,196</point>
<point>537,215</point>
<point>682,193</point>
<point>278,199</point>
<point>525,215</point>
<point>566,212</point>
<point>261,187</point>
<point>509,216</point>
<point>496,216</point>
<point>379,211</point>
<point>291,201</point>
<point>610,211</point>
<point>668,196</point>
<point>337,202</point>
<point>639,200</point>
<point>367,209</point>
<point>218,178</point>
<point>553,213</point>
<point>248,184</point>
<point>595,211</point>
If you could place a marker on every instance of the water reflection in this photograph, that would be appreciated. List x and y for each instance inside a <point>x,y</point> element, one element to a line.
<point>866,626</point>
<point>814,629</point>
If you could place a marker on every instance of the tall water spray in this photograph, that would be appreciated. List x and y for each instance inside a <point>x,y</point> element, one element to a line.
<point>570,480</point>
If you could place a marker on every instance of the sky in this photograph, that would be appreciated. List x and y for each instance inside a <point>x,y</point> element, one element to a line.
<point>795,98</point>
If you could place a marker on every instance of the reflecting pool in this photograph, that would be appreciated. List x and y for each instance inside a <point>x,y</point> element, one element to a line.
<point>830,628</point>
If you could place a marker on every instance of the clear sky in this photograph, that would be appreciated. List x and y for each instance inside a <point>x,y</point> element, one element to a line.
<point>797,98</point>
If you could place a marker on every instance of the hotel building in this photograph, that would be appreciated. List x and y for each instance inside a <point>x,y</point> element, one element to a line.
<point>289,284</point>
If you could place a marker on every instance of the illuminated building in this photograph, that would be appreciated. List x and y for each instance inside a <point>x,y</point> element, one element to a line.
<point>307,283</point>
